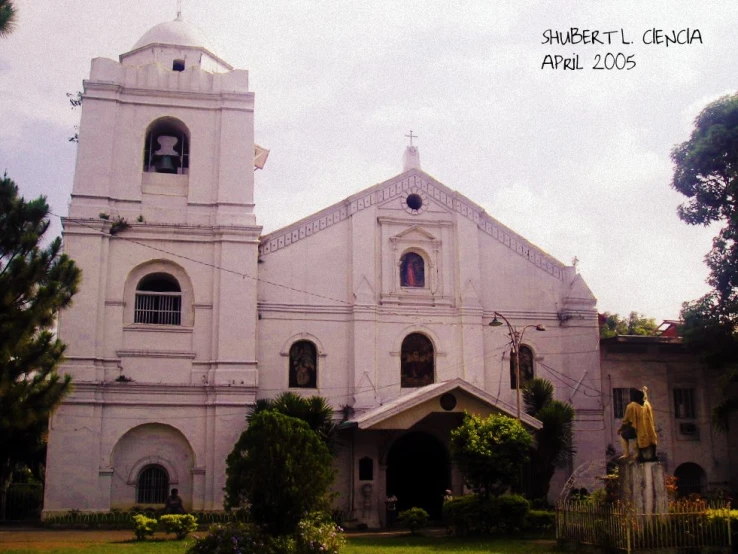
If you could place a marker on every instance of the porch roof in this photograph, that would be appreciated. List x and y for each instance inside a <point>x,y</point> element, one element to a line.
<point>420,403</point>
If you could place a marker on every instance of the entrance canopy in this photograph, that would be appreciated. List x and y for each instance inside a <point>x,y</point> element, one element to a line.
<point>456,396</point>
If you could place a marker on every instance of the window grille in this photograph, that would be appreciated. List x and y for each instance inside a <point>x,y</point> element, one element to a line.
<point>153,485</point>
<point>620,399</point>
<point>684,405</point>
<point>158,308</point>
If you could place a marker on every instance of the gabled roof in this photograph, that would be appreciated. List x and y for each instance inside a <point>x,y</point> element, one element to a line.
<point>381,416</point>
<point>408,182</point>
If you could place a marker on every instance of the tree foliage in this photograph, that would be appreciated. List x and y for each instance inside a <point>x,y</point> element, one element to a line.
<point>7,17</point>
<point>490,452</point>
<point>280,469</point>
<point>706,172</point>
<point>35,283</point>
<point>634,324</point>
<point>555,440</point>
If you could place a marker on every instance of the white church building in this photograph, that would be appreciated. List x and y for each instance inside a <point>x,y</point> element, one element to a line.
<point>187,314</point>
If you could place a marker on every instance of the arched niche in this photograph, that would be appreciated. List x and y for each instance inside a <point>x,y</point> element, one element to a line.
<point>146,445</point>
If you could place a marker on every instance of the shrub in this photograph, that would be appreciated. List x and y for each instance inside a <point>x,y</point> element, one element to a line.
<point>317,534</point>
<point>414,518</point>
<point>490,451</point>
<point>510,511</point>
<point>281,469</point>
<point>180,525</point>
<point>473,514</point>
<point>466,514</point>
<point>541,521</point>
<point>229,538</point>
<point>143,526</point>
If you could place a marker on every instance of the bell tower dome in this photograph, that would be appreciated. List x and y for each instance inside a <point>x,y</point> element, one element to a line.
<point>175,44</point>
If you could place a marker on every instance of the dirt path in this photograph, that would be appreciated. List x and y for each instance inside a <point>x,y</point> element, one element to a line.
<point>46,539</point>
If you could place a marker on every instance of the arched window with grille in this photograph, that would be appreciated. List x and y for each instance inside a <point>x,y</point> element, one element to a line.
<point>153,485</point>
<point>526,367</point>
<point>167,147</point>
<point>158,300</point>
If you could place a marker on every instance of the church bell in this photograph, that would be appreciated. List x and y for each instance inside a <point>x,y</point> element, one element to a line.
<point>165,164</point>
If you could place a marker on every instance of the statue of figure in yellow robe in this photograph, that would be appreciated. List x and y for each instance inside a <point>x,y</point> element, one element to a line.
<point>638,424</point>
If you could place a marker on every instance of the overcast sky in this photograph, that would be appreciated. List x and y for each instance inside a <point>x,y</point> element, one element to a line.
<point>577,162</point>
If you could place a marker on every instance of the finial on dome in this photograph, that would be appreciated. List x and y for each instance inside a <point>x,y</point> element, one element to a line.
<point>179,9</point>
<point>411,159</point>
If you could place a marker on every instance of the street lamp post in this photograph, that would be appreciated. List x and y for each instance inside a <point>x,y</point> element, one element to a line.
<point>516,337</point>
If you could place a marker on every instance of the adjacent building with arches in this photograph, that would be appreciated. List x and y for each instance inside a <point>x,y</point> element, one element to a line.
<point>188,314</point>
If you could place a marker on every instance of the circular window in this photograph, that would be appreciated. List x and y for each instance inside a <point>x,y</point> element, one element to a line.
<point>414,201</point>
<point>448,401</point>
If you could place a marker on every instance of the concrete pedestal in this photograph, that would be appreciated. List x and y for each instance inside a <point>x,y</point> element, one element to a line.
<point>642,487</point>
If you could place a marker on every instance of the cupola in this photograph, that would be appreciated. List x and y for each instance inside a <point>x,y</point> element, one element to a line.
<point>177,45</point>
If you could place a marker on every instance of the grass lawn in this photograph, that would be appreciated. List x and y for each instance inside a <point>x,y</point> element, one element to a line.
<point>406,544</point>
<point>120,542</point>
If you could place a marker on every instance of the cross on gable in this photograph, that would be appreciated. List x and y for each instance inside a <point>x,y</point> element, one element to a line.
<point>411,137</point>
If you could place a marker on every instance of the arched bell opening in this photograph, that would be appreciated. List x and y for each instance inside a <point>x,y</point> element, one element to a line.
<point>167,147</point>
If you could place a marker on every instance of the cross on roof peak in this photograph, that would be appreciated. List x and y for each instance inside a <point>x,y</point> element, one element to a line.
<point>411,137</point>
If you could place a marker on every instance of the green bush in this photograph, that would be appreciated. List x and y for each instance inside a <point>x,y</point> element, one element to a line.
<point>318,534</point>
<point>231,537</point>
<point>143,526</point>
<point>180,525</point>
<point>490,451</point>
<point>511,510</point>
<point>540,520</point>
<point>467,514</point>
<point>414,518</point>
<point>281,469</point>
<point>472,514</point>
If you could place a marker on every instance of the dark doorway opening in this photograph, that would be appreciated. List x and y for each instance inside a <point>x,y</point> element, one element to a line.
<point>691,479</point>
<point>418,473</point>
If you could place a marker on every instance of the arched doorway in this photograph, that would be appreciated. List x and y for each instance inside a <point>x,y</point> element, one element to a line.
<point>691,479</point>
<point>418,473</point>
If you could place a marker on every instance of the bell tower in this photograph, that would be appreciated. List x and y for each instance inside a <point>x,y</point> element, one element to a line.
<point>161,338</point>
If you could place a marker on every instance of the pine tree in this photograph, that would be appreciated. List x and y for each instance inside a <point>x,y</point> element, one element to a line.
<point>7,17</point>
<point>35,283</point>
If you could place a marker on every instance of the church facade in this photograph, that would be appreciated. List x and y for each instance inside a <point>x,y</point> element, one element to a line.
<point>187,314</point>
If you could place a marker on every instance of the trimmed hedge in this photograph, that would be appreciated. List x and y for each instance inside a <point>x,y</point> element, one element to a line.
<point>472,514</point>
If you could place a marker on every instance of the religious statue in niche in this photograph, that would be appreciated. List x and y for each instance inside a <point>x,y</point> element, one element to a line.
<point>638,425</point>
<point>417,361</point>
<point>526,367</point>
<point>303,364</point>
<point>412,270</point>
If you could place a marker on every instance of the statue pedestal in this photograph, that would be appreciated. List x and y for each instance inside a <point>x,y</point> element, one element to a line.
<point>642,487</point>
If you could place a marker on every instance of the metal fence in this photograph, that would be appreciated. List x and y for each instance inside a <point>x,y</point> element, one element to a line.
<point>686,525</point>
<point>22,502</point>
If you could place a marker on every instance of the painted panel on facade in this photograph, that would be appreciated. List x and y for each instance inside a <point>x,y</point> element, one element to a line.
<point>412,270</point>
<point>303,365</point>
<point>417,361</point>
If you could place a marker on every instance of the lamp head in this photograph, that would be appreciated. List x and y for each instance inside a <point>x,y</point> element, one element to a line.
<point>495,322</point>
<point>540,327</point>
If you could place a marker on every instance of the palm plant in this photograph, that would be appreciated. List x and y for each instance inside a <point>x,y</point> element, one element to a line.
<point>313,410</point>
<point>555,440</point>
